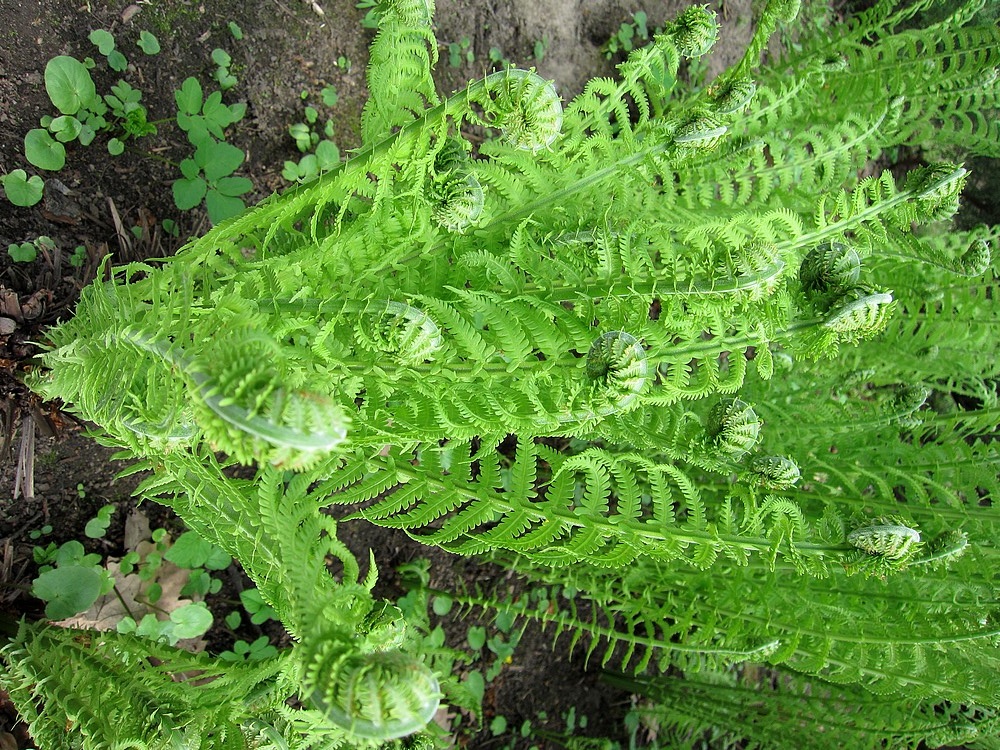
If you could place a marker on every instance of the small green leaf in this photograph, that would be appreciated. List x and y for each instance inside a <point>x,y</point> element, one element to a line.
<point>148,43</point>
<point>329,95</point>
<point>69,85</point>
<point>498,726</point>
<point>98,526</point>
<point>198,583</point>
<point>189,193</point>
<point>233,620</point>
<point>233,186</point>
<point>476,636</point>
<point>190,169</point>
<point>66,128</point>
<point>505,621</point>
<point>150,627</point>
<point>103,40</point>
<point>116,147</point>
<point>190,550</point>
<point>87,135</point>
<point>22,190</point>
<point>67,590</point>
<point>221,58</point>
<point>218,159</point>
<point>235,30</point>
<point>327,155</point>
<point>23,252</point>
<point>117,61</point>
<point>189,97</point>
<point>441,605</point>
<point>42,151</point>
<point>221,207</point>
<point>476,686</point>
<point>260,611</point>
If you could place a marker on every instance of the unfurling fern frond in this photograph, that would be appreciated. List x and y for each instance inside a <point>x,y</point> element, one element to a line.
<point>251,410</point>
<point>402,56</point>
<point>774,472</point>
<point>402,332</point>
<point>888,537</point>
<point>733,427</point>
<point>694,31</point>
<point>616,365</point>
<point>524,106</point>
<point>829,270</point>
<point>378,695</point>
<point>887,545</point>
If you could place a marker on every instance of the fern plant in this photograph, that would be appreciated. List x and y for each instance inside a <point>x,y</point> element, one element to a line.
<point>664,350</point>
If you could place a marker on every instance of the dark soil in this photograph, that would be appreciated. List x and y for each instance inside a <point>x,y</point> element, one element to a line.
<point>114,206</point>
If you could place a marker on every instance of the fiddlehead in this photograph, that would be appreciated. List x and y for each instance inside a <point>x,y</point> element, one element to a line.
<point>887,545</point>
<point>379,695</point>
<point>617,369</point>
<point>774,472</point>
<point>525,107</point>
<point>694,31</point>
<point>829,270</point>
<point>406,334</point>
<point>733,427</point>
<point>251,409</point>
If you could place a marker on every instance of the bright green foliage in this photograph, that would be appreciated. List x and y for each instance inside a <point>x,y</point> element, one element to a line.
<point>22,190</point>
<point>662,351</point>
<point>148,43</point>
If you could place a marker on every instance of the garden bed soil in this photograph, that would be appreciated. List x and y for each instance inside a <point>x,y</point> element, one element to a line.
<point>115,205</point>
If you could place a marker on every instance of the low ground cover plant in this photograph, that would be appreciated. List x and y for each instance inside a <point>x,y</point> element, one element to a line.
<point>728,406</point>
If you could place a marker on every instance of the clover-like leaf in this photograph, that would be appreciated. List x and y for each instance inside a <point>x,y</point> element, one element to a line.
<point>221,207</point>
<point>103,40</point>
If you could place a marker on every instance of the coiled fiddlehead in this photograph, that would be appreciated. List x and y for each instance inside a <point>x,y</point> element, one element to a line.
<point>830,268</point>
<point>403,332</point>
<point>733,427</point>
<point>733,96</point>
<point>860,314</point>
<point>617,371</point>
<point>248,410</point>
<point>774,472</point>
<point>379,695</point>
<point>454,189</point>
<point>694,31</point>
<point>976,259</point>
<point>523,105</point>
<point>702,131</point>
<point>888,544</point>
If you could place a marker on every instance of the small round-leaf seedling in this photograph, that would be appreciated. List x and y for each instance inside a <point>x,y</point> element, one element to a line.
<point>103,40</point>
<point>23,252</point>
<point>68,590</point>
<point>191,620</point>
<point>69,85</point>
<point>148,43</point>
<point>97,527</point>
<point>22,190</point>
<point>43,152</point>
